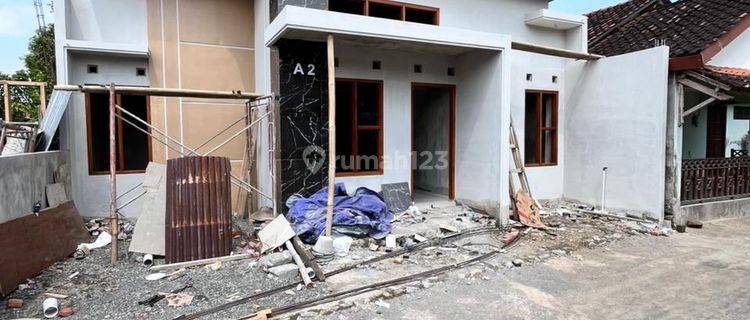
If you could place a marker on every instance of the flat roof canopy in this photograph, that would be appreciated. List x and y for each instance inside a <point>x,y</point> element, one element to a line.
<point>314,25</point>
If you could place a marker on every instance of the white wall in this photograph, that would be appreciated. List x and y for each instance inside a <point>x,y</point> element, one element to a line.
<point>735,54</point>
<point>482,122</point>
<point>616,118</point>
<point>89,191</point>
<point>397,76</point>
<point>497,16</point>
<point>24,181</point>
<point>545,182</point>
<point>113,21</point>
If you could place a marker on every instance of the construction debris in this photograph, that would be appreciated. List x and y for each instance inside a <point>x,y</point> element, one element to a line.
<point>14,303</point>
<point>275,234</point>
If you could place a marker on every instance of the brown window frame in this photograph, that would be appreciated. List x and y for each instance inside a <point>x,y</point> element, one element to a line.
<point>540,130</point>
<point>404,7</point>
<point>120,146</point>
<point>356,128</point>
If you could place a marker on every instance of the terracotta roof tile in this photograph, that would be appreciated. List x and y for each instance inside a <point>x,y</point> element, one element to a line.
<point>735,77</point>
<point>687,26</point>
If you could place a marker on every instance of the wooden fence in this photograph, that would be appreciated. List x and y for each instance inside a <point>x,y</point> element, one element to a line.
<point>705,180</point>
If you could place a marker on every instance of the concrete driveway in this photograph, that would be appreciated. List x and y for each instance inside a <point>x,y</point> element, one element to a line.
<point>703,274</point>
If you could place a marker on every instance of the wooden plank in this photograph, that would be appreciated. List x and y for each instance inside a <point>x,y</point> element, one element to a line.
<point>32,243</point>
<point>308,259</point>
<point>706,90</point>
<point>23,83</point>
<point>528,47</point>
<point>699,106</point>
<point>331,134</point>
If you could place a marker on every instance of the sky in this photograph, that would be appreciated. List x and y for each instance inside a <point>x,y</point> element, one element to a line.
<point>17,25</point>
<point>18,22</point>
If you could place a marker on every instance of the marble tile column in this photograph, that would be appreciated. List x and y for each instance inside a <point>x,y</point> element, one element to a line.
<point>303,123</point>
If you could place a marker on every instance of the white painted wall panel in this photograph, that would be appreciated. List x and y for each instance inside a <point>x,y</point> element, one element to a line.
<point>113,21</point>
<point>735,54</point>
<point>616,118</point>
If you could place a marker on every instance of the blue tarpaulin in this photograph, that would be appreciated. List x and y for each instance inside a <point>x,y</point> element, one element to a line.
<point>364,209</point>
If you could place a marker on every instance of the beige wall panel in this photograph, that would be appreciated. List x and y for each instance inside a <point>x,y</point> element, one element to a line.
<point>173,125</point>
<point>213,68</point>
<point>155,66</point>
<point>218,22</point>
<point>202,121</point>
<point>157,120</point>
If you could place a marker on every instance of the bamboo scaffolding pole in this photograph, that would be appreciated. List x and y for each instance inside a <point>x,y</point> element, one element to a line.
<point>163,92</point>
<point>6,102</point>
<point>113,219</point>
<point>331,133</point>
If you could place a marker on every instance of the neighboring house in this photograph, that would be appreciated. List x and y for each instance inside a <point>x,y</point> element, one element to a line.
<point>709,89</point>
<point>438,78</point>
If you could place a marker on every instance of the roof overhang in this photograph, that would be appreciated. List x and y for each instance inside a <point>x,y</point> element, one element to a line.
<point>118,49</point>
<point>546,18</point>
<point>314,25</point>
<point>700,60</point>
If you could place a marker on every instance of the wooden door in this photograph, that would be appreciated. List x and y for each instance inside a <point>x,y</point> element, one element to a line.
<point>716,131</point>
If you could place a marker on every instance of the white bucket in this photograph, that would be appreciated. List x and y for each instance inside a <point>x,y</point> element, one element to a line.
<point>341,246</point>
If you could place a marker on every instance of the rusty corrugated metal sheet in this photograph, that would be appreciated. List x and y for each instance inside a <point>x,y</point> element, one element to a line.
<point>199,204</point>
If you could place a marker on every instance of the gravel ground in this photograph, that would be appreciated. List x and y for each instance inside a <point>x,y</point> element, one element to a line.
<point>99,291</point>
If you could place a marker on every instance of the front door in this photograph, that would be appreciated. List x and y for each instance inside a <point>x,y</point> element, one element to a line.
<point>716,131</point>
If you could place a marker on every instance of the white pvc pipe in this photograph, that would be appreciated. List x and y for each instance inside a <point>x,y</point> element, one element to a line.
<point>148,260</point>
<point>604,188</point>
<point>50,306</point>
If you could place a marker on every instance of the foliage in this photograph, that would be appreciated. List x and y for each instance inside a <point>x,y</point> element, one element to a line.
<point>39,65</point>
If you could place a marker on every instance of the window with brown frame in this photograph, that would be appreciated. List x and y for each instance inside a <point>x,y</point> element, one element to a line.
<point>540,134</point>
<point>388,9</point>
<point>359,127</point>
<point>133,147</point>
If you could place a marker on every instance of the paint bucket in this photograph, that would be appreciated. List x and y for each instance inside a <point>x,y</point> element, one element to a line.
<point>148,260</point>
<point>50,307</point>
<point>341,246</point>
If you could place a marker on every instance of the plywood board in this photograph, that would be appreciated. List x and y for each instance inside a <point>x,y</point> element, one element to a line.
<point>32,243</point>
<point>149,232</point>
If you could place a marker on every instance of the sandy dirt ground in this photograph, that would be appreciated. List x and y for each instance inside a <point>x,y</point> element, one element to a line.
<point>702,274</point>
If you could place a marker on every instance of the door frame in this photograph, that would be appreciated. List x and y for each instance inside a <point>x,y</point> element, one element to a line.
<point>719,110</point>
<point>451,135</point>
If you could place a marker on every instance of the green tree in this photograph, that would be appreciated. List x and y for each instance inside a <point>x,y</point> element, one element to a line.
<point>39,65</point>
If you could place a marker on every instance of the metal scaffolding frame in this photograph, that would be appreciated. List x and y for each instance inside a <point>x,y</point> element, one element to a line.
<point>254,102</point>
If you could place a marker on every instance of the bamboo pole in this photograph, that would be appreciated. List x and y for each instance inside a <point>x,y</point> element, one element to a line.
<point>42,101</point>
<point>331,133</point>
<point>164,92</point>
<point>6,101</point>
<point>113,224</point>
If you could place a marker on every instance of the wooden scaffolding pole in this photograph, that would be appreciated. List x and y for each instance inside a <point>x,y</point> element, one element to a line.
<point>331,133</point>
<point>113,223</point>
<point>6,102</point>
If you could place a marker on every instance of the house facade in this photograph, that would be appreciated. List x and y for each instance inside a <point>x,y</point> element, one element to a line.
<point>425,92</point>
<point>709,90</point>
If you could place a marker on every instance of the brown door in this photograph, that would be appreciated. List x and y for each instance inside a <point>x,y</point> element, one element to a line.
<point>716,131</point>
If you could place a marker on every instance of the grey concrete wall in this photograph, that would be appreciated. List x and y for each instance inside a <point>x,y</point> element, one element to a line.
<point>91,192</point>
<point>718,210</point>
<point>23,180</point>
<point>616,117</point>
<point>431,139</point>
